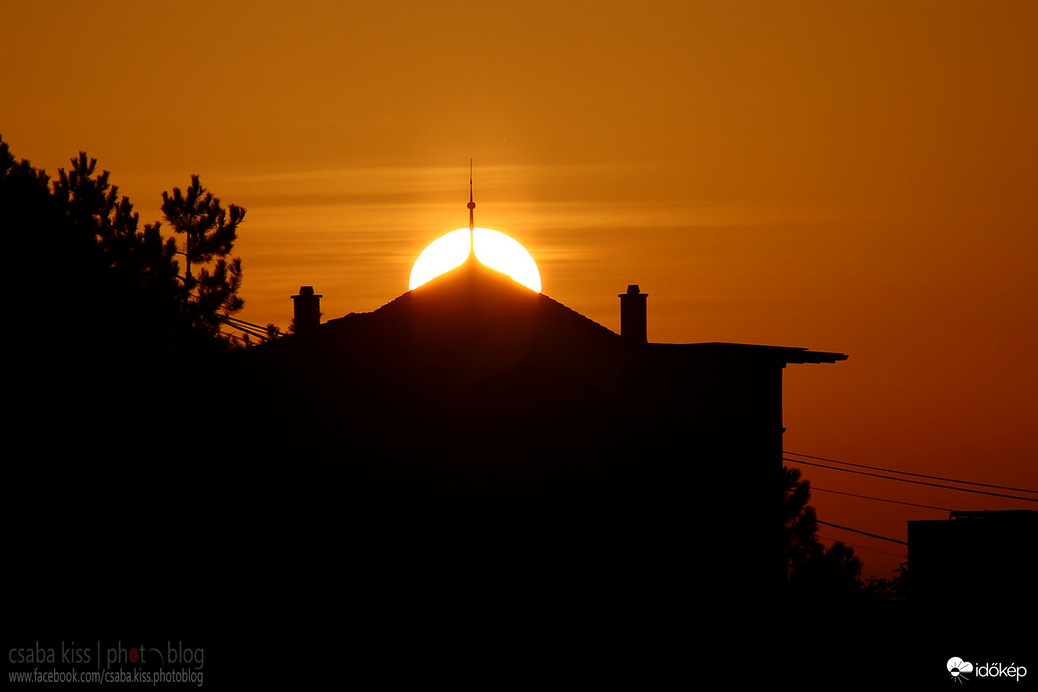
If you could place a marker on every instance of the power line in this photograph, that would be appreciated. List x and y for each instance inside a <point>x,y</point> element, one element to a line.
<point>864,533</point>
<point>881,499</point>
<point>246,327</point>
<point>909,473</point>
<point>228,318</point>
<point>909,480</point>
<point>903,480</point>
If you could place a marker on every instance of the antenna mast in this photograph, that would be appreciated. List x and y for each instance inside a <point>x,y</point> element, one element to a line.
<point>472,206</point>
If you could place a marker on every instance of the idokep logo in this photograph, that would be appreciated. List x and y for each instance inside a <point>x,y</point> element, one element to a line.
<point>958,669</point>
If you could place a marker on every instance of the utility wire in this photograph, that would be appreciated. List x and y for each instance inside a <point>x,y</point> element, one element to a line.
<point>241,325</point>
<point>908,473</point>
<point>864,533</point>
<point>228,318</point>
<point>903,480</point>
<point>881,499</point>
<point>909,480</point>
<point>244,327</point>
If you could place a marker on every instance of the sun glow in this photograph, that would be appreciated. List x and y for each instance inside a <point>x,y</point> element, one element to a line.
<point>494,249</point>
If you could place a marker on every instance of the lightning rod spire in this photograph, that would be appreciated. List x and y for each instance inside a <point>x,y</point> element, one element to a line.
<point>472,206</point>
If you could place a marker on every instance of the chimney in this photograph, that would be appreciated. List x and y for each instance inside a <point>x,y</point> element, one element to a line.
<point>307,310</point>
<point>632,315</point>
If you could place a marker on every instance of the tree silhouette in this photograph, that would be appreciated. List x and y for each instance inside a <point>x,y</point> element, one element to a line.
<point>210,232</point>
<point>799,520</point>
<point>110,281</point>
<point>812,569</point>
<point>893,589</point>
<point>133,271</point>
<point>108,349</point>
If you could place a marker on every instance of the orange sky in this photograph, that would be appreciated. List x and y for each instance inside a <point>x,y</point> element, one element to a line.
<point>855,176</point>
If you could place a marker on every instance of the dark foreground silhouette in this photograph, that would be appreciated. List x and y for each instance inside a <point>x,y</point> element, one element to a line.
<point>473,455</point>
<point>471,483</point>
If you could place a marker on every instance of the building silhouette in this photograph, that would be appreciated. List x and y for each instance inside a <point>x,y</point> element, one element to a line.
<point>306,313</point>
<point>472,425</point>
<point>985,559</point>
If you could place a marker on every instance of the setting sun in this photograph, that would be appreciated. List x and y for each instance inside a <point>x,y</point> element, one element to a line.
<point>493,248</point>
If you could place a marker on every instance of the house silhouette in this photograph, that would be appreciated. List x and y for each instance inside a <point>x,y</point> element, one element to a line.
<point>473,426</point>
<point>981,557</point>
<point>472,456</point>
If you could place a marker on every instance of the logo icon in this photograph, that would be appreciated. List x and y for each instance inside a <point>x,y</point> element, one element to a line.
<point>957,667</point>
